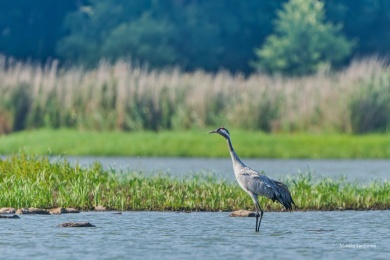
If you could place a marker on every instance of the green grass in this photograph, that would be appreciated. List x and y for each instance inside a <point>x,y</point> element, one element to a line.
<point>29,181</point>
<point>196,143</point>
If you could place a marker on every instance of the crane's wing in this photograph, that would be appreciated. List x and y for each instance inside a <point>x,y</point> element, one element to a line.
<point>259,184</point>
<point>264,186</point>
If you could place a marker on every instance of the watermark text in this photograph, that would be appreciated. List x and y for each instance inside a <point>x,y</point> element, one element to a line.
<point>358,246</point>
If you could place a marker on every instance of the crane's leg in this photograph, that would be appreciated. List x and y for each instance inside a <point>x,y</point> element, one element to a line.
<point>259,216</point>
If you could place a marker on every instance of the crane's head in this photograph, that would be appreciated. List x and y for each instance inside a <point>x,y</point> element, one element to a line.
<point>221,131</point>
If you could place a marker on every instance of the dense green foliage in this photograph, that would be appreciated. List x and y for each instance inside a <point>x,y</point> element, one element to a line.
<point>188,34</point>
<point>302,43</point>
<point>126,98</point>
<point>195,143</point>
<point>27,181</point>
<point>198,34</point>
<point>364,21</point>
<point>32,29</point>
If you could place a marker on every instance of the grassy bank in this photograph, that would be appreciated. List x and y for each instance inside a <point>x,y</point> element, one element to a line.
<point>195,143</point>
<point>27,181</point>
<point>123,97</point>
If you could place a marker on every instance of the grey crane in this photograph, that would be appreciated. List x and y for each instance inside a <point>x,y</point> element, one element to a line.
<point>254,183</point>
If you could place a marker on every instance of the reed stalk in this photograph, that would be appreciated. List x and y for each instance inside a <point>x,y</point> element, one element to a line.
<point>123,97</point>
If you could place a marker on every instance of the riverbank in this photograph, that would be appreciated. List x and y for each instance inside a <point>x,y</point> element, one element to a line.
<point>28,181</point>
<point>195,143</point>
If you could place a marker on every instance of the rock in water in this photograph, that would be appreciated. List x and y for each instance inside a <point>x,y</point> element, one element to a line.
<point>72,210</point>
<point>61,210</point>
<point>100,208</point>
<point>242,213</point>
<point>76,224</point>
<point>32,211</point>
<point>7,210</point>
<point>56,211</point>
<point>9,216</point>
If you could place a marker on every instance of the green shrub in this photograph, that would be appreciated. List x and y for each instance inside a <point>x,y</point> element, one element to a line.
<point>303,42</point>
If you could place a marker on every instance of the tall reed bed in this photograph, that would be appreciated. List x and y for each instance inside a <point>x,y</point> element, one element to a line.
<point>27,181</point>
<point>123,97</point>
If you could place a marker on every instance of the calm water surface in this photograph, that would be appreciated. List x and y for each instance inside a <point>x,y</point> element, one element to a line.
<point>199,235</point>
<point>360,170</point>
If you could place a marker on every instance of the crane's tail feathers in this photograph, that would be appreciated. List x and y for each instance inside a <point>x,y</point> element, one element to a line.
<point>284,196</point>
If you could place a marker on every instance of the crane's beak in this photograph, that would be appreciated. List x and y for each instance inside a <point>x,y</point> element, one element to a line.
<point>212,132</point>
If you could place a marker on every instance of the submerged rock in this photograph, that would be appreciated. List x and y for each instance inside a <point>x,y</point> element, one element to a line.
<point>76,224</point>
<point>7,210</point>
<point>242,213</point>
<point>9,216</point>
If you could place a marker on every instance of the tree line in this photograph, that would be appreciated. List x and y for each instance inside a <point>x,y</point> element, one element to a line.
<point>234,35</point>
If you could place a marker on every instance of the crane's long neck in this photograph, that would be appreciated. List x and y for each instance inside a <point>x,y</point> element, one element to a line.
<point>237,163</point>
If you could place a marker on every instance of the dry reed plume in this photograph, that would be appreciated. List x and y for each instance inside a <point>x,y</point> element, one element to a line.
<point>124,97</point>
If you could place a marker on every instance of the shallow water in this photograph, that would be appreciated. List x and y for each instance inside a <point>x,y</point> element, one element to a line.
<point>198,235</point>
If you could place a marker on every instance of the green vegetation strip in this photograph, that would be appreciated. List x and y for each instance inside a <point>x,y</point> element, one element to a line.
<point>27,181</point>
<point>195,143</point>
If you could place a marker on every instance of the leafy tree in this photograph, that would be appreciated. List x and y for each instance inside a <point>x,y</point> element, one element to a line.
<point>303,42</point>
<point>192,34</point>
<point>220,34</point>
<point>30,29</point>
<point>91,26</point>
<point>200,34</point>
<point>145,40</point>
<point>367,21</point>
